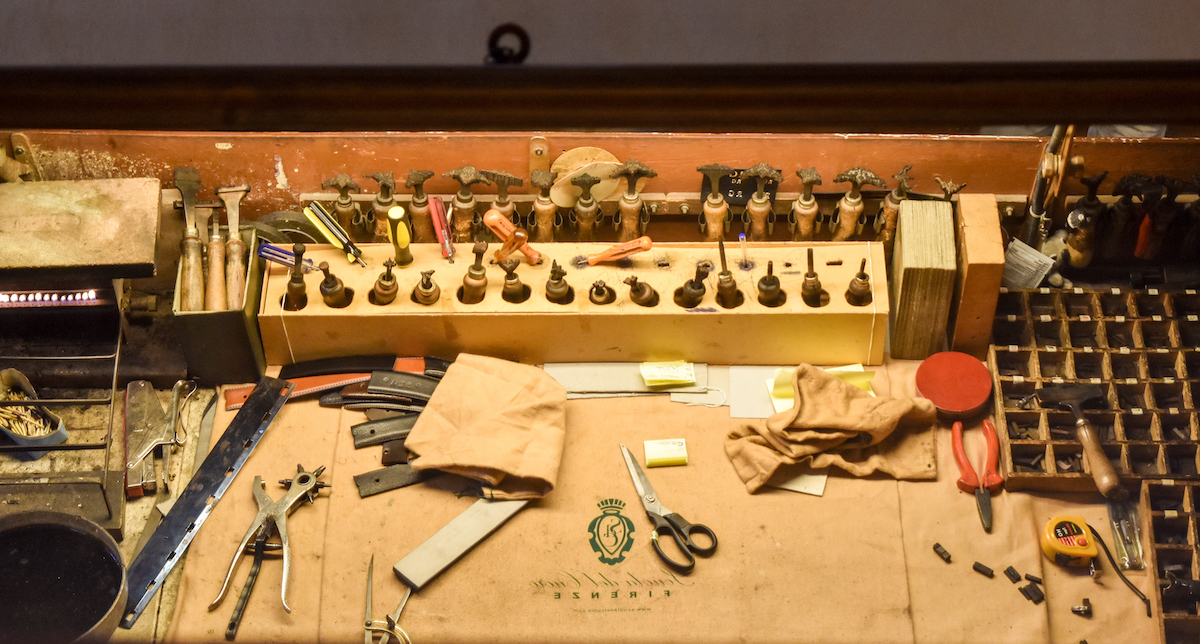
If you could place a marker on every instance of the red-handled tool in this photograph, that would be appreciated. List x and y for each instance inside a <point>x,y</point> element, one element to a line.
<point>960,387</point>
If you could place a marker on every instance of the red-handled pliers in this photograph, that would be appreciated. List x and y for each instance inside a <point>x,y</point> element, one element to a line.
<point>969,482</point>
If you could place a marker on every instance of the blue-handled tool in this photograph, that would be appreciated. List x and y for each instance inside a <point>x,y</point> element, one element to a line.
<point>284,256</point>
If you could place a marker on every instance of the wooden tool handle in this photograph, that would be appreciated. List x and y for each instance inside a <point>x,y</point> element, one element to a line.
<point>714,219</point>
<point>1102,469</point>
<point>464,219</point>
<point>191,277</point>
<point>887,234</point>
<point>586,219</point>
<point>806,220</point>
<point>543,213</point>
<point>214,295</point>
<point>631,215</point>
<point>848,215</point>
<point>422,223</point>
<point>758,212</point>
<point>235,272</point>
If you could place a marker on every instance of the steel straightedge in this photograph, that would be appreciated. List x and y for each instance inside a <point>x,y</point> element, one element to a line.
<point>179,527</point>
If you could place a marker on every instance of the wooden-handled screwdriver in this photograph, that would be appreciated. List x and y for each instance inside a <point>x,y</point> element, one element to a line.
<point>191,276</point>
<point>214,292</point>
<point>235,248</point>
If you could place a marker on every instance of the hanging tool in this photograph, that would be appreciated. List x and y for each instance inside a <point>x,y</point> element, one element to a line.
<point>475,281</point>
<point>270,520</point>
<point>333,291</point>
<point>418,207</point>
<point>215,297</point>
<point>667,523</point>
<point>621,250</point>
<point>641,293</point>
<point>348,214</point>
<point>1072,398</point>
<point>464,217</point>
<point>889,210</point>
<point>846,217</point>
<point>296,297</point>
<point>399,233</point>
<point>714,217</point>
<point>1070,541</point>
<point>235,248</point>
<point>769,291</point>
<point>859,291</point>
<point>426,291</point>
<point>504,229</point>
<point>557,289</point>
<point>503,204</point>
<point>630,208</point>
<point>691,293</point>
<point>587,211</point>
<point>541,220</point>
<point>170,540</point>
<point>389,628</point>
<point>758,217</point>
<point>729,296</point>
<point>805,210</point>
<point>332,232</point>
<point>810,289</point>
<point>1045,186</point>
<point>384,201</point>
<point>149,427</point>
<point>960,387</point>
<point>191,272</point>
<point>385,287</point>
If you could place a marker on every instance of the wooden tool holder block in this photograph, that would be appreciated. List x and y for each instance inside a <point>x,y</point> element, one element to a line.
<point>1141,346</point>
<point>1168,513</point>
<point>538,330</point>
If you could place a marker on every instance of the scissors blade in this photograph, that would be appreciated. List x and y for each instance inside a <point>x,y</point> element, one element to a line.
<point>644,489</point>
<point>367,637</point>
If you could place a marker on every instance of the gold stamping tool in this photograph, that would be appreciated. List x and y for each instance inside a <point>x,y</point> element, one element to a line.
<point>463,213</point>
<point>631,208</point>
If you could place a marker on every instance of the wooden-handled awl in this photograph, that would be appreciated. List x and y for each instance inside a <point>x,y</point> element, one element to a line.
<point>235,248</point>
<point>191,276</point>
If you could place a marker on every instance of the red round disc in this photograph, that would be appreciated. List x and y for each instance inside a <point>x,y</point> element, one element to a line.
<point>957,384</point>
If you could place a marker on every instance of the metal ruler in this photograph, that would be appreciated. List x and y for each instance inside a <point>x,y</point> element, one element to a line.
<point>209,483</point>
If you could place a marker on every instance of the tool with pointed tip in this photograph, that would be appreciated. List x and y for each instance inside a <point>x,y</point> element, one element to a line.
<point>631,206</point>
<point>586,209</point>
<point>1124,210</point>
<point>398,234</point>
<point>504,181</point>
<point>383,201</point>
<point>541,220</point>
<point>475,281</point>
<point>333,291</point>
<point>810,290</point>
<point>758,211</point>
<point>235,248</point>
<point>850,207</point>
<point>333,232</point>
<point>418,207</point>
<point>191,272</point>
<point>557,289</point>
<point>272,519</point>
<point>349,214</point>
<point>296,298</point>
<point>621,250</point>
<point>960,387</point>
<point>805,209</point>
<point>514,291</point>
<point>441,227</point>
<point>859,291</point>
<point>385,287</point>
<point>949,188</point>
<point>769,291</point>
<point>714,216</point>
<point>691,293</point>
<point>426,291</point>
<point>729,296</point>
<point>463,210</point>
<point>1072,398</point>
<point>889,210</point>
<point>504,229</point>
<point>641,293</point>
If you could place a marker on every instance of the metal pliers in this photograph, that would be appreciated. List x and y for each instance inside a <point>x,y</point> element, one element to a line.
<point>981,487</point>
<point>271,519</point>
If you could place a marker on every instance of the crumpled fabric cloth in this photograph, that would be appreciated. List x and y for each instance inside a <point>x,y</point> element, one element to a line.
<point>498,422</point>
<point>836,424</point>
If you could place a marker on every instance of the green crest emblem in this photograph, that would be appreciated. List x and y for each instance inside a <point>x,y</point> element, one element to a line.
<point>612,532</point>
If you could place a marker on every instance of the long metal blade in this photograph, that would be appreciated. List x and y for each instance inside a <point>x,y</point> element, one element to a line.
<point>644,489</point>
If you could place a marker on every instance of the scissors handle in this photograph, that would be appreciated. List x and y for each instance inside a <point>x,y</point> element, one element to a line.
<point>663,527</point>
<point>686,530</point>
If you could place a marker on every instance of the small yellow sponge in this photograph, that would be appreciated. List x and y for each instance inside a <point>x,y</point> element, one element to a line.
<point>670,451</point>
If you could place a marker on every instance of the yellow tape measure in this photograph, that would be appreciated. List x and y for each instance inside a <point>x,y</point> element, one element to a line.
<point>1067,541</point>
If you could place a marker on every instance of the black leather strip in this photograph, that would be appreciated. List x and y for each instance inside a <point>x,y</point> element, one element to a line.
<point>408,385</point>
<point>436,367</point>
<point>394,453</point>
<point>378,432</point>
<point>389,478</point>
<point>343,364</point>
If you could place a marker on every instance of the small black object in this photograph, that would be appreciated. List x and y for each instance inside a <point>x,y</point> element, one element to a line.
<point>1036,580</point>
<point>769,291</point>
<point>501,55</point>
<point>941,552</point>
<point>1012,574</point>
<point>983,570</point>
<point>600,293</point>
<point>1033,593</point>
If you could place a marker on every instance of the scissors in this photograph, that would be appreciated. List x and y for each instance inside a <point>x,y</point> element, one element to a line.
<point>669,523</point>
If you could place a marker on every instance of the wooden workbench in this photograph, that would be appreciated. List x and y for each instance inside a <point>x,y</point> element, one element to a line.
<point>856,565</point>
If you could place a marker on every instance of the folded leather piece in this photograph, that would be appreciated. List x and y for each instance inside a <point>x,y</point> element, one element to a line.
<point>833,423</point>
<point>495,421</point>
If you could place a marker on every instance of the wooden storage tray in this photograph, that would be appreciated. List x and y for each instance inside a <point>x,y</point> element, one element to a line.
<point>538,330</point>
<point>1140,346</point>
<point>1169,519</point>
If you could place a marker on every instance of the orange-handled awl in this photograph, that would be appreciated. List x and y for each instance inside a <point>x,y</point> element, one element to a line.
<point>503,228</point>
<point>621,250</point>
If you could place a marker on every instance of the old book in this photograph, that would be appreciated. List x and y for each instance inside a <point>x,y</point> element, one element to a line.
<point>923,272</point>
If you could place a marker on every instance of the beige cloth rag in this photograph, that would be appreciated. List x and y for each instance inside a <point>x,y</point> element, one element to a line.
<point>495,421</point>
<point>834,423</point>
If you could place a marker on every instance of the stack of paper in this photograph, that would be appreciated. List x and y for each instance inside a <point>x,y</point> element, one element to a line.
<point>923,270</point>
